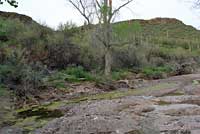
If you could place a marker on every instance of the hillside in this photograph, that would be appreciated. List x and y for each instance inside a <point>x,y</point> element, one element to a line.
<point>11,23</point>
<point>166,31</point>
<point>159,27</point>
<point>168,27</point>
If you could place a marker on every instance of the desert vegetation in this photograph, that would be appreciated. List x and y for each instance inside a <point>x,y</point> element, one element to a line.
<point>45,72</point>
<point>33,54</point>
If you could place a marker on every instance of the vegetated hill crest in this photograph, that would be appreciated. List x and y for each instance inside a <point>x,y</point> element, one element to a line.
<point>13,15</point>
<point>155,27</point>
<point>158,20</point>
<point>167,27</point>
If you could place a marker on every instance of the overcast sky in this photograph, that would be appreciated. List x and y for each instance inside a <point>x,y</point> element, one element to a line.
<point>54,12</point>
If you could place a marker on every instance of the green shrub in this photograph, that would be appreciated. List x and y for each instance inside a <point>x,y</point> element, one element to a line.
<point>70,74</point>
<point>2,90</point>
<point>10,27</point>
<point>91,58</point>
<point>119,74</point>
<point>156,72</point>
<point>123,31</point>
<point>2,28</point>
<point>69,29</point>
<point>24,78</point>
<point>78,74</point>
<point>60,52</point>
<point>130,56</point>
<point>56,79</point>
<point>5,72</point>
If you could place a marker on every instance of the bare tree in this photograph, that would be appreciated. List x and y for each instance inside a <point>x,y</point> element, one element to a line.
<point>104,12</point>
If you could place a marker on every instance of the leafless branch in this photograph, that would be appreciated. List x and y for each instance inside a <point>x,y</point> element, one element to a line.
<point>98,4</point>
<point>81,10</point>
<point>117,10</point>
<point>101,40</point>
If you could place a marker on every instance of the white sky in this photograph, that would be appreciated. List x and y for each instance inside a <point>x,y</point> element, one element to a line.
<point>54,12</point>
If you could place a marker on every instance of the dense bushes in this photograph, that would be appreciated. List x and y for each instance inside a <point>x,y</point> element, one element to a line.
<point>125,57</point>
<point>60,52</point>
<point>18,70</point>
<point>33,52</point>
<point>26,80</point>
<point>23,78</point>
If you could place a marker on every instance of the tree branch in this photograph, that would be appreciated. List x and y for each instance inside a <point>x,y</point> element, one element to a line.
<point>80,11</point>
<point>98,4</point>
<point>116,10</point>
<point>82,6</point>
<point>13,3</point>
<point>101,40</point>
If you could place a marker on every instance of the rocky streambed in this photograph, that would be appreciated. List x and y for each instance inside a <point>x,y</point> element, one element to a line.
<point>130,115</point>
<point>168,106</point>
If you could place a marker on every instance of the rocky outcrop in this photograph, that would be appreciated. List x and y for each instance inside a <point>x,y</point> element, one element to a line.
<point>139,115</point>
<point>175,112</point>
<point>157,20</point>
<point>161,21</point>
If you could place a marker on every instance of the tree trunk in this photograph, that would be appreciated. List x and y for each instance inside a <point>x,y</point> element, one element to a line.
<point>108,62</point>
<point>107,35</point>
